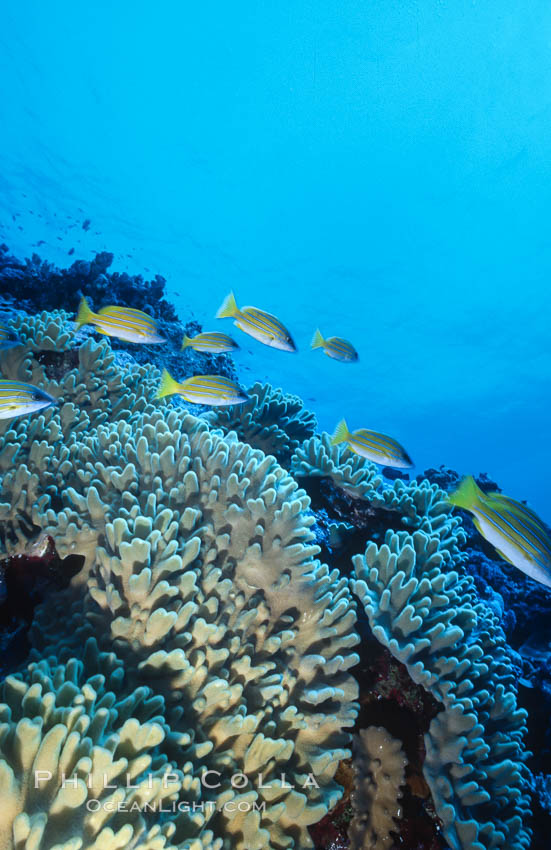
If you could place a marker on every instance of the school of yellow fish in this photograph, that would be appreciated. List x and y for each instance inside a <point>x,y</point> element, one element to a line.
<point>516,532</point>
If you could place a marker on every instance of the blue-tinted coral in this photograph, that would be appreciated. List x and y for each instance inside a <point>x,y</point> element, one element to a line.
<point>424,607</point>
<point>430,618</point>
<point>271,420</point>
<point>201,582</point>
<point>176,564</point>
<point>34,285</point>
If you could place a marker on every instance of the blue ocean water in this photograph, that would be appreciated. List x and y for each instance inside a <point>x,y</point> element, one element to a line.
<point>378,170</point>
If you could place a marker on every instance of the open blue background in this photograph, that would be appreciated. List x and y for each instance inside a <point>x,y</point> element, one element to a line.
<point>380,169</point>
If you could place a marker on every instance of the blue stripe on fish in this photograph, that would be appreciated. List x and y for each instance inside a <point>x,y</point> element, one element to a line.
<point>263,326</point>
<point>123,322</point>
<point>537,544</point>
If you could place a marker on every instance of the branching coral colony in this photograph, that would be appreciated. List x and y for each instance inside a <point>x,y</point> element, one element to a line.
<point>203,636</point>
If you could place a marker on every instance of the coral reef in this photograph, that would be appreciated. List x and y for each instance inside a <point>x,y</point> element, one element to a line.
<point>199,564</point>
<point>448,479</point>
<point>33,286</point>
<point>389,698</point>
<point>419,505</point>
<point>353,504</point>
<point>380,774</point>
<point>414,600</point>
<point>273,421</point>
<point>37,284</point>
<point>430,619</point>
<point>523,608</point>
<point>180,622</point>
<point>64,739</point>
<point>345,468</point>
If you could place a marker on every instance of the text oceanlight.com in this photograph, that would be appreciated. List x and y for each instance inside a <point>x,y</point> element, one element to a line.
<point>231,807</point>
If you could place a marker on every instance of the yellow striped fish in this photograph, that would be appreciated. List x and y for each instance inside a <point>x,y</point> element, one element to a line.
<point>7,338</point>
<point>18,399</point>
<point>374,446</point>
<point>121,322</point>
<point>214,390</point>
<point>335,347</point>
<point>257,323</point>
<point>516,532</point>
<point>214,342</point>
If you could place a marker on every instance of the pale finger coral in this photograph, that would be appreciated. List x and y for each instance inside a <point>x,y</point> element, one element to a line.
<point>201,577</point>
<point>271,420</point>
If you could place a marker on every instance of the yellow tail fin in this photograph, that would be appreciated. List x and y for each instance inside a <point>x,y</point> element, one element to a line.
<point>467,495</point>
<point>84,315</point>
<point>317,340</point>
<point>168,385</point>
<point>342,434</point>
<point>186,341</point>
<point>229,308</point>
